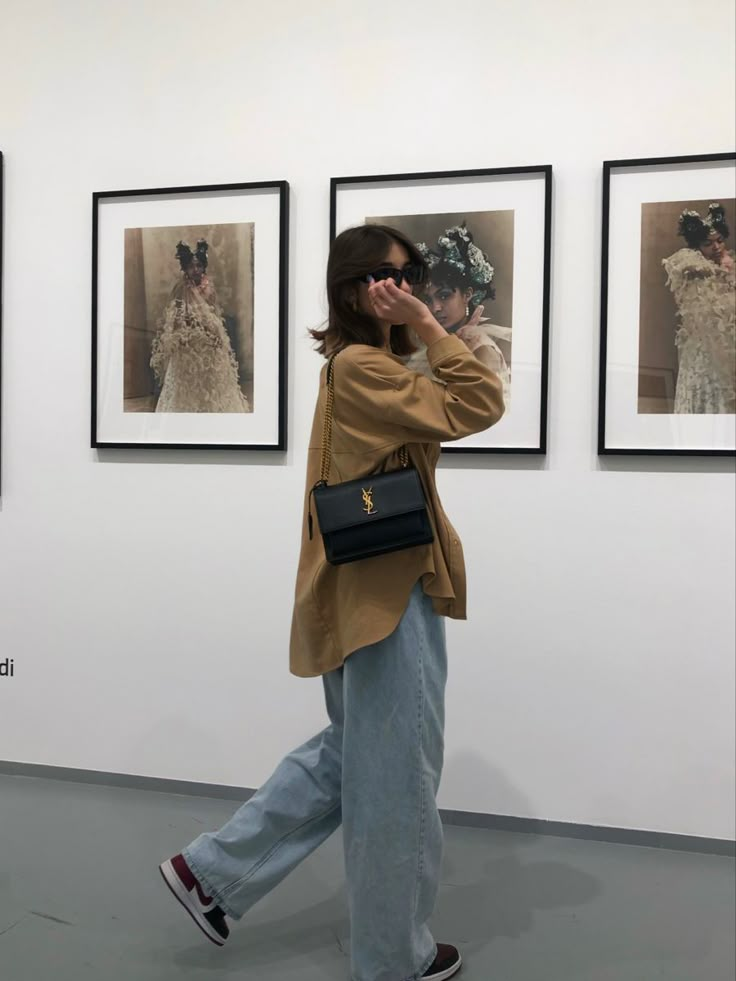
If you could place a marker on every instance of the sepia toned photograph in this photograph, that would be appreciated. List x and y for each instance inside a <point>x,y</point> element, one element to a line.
<point>1,307</point>
<point>667,381</point>
<point>189,319</point>
<point>687,325</point>
<point>485,236</point>
<point>471,279</point>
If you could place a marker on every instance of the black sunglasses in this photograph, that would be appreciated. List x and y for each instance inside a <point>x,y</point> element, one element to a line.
<point>413,273</point>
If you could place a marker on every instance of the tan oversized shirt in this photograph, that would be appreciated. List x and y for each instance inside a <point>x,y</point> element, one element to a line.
<point>380,405</point>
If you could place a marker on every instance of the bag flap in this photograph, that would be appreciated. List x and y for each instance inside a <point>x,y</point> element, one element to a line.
<point>377,496</point>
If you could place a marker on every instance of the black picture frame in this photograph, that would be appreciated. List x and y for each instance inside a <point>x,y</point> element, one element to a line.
<point>538,443</point>
<point>610,167</point>
<point>280,189</point>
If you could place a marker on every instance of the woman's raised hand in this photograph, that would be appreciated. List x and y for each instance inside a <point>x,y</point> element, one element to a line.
<point>393,304</point>
<point>476,317</point>
<point>399,307</point>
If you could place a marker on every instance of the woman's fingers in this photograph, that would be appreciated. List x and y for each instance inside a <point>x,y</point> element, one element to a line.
<point>392,290</point>
<point>377,296</point>
<point>386,289</point>
<point>476,317</point>
<point>386,298</point>
<point>378,307</point>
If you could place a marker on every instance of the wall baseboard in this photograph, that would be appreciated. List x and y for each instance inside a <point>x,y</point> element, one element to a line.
<point>464,819</point>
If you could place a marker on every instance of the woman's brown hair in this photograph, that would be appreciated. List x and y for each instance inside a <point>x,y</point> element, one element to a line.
<point>354,253</point>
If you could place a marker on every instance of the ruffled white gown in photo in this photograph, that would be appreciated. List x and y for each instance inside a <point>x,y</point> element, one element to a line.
<point>705,294</point>
<point>192,356</point>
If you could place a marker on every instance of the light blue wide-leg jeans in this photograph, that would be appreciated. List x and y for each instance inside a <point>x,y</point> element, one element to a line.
<point>376,768</point>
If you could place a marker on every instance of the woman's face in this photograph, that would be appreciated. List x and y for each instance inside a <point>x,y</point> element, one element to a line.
<point>714,247</point>
<point>398,257</point>
<point>195,271</point>
<point>447,304</point>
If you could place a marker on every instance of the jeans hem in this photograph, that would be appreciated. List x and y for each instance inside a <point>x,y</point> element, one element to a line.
<point>209,889</point>
<point>419,974</point>
<point>220,894</point>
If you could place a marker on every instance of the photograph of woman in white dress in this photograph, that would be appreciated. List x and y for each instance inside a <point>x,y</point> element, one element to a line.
<point>192,356</point>
<point>701,278</point>
<point>687,301</point>
<point>188,334</point>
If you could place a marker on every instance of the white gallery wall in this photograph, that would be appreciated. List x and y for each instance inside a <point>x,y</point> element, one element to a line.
<point>145,597</point>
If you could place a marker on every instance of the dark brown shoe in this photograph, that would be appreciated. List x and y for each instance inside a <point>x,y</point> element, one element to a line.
<point>445,965</point>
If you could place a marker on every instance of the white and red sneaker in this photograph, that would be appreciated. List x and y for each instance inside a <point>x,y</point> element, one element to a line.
<point>445,965</point>
<point>205,912</point>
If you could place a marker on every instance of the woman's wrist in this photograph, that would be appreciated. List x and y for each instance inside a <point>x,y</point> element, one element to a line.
<point>428,329</point>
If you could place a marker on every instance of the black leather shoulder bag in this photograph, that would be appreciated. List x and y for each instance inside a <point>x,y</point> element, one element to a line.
<point>384,512</point>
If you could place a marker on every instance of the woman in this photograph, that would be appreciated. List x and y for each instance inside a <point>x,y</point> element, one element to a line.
<point>701,277</point>
<point>373,630</point>
<point>192,357</point>
<point>460,278</point>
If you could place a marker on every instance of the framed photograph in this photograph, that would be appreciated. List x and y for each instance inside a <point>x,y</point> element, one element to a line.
<point>486,237</point>
<point>668,305</point>
<point>189,308</point>
<point>2,225</point>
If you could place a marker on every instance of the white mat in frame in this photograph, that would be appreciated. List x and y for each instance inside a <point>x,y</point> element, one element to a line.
<point>266,205</point>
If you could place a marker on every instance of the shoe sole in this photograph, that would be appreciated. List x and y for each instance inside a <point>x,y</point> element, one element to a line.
<point>178,891</point>
<point>449,973</point>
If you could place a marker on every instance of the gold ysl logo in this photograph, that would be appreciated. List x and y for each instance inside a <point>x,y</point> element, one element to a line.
<point>368,500</point>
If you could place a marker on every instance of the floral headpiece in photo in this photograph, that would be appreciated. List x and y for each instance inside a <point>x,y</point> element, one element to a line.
<point>185,255</point>
<point>695,230</point>
<point>458,262</point>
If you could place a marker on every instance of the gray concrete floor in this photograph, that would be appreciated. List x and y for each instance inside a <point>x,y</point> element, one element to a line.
<point>81,897</point>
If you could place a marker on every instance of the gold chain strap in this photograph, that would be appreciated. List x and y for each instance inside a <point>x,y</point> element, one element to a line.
<point>324,472</point>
